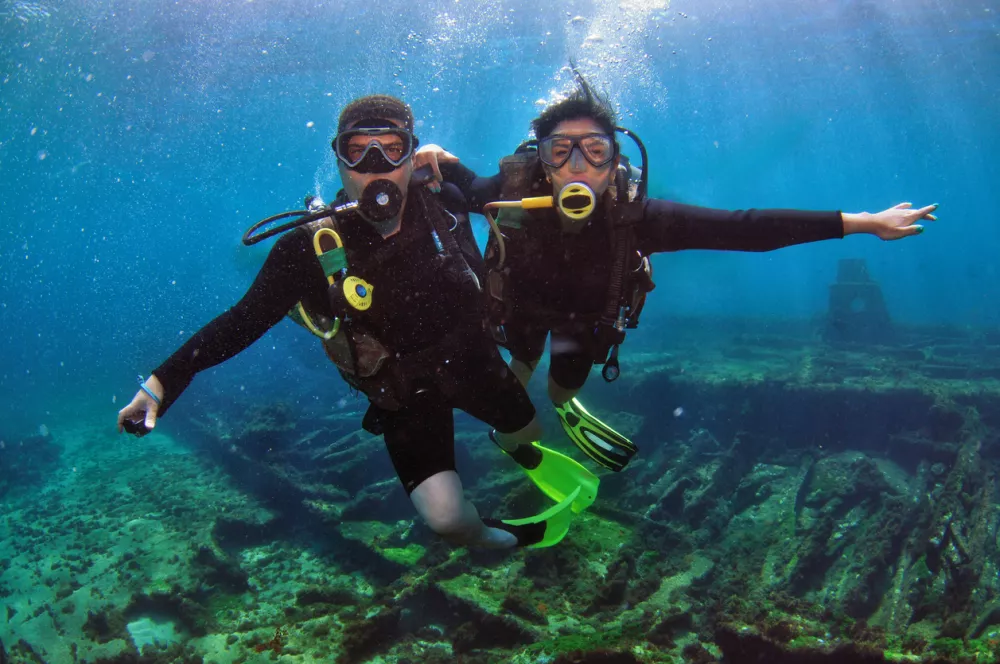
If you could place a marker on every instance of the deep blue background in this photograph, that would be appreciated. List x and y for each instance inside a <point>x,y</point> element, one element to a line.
<point>138,141</point>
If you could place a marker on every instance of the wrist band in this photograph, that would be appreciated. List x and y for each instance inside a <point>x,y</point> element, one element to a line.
<point>142,386</point>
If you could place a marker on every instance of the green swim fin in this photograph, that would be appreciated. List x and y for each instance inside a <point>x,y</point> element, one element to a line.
<point>596,439</point>
<point>555,520</point>
<point>556,474</point>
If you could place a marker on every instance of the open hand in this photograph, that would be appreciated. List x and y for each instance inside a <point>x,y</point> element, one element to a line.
<point>897,222</point>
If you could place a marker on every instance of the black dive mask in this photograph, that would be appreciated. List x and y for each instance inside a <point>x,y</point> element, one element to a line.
<point>557,149</point>
<point>374,161</point>
<point>380,150</point>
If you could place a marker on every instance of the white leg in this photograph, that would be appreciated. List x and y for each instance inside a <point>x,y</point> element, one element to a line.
<point>441,503</point>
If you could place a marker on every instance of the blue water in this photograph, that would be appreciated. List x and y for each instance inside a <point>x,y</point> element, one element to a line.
<point>139,140</point>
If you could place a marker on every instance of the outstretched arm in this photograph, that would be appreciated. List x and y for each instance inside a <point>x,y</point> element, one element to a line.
<point>278,286</point>
<point>668,226</point>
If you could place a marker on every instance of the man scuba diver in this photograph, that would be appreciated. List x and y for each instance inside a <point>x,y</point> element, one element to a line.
<point>389,279</point>
<point>569,253</point>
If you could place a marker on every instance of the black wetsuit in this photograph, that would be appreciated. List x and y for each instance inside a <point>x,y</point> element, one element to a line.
<point>566,275</point>
<point>416,305</point>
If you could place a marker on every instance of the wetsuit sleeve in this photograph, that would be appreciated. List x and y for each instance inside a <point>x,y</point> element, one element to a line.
<point>278,286</point>
<point>668,226</point>
<point>477,190</point>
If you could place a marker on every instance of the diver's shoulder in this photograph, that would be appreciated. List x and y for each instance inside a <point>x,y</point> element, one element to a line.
<point>295,244</point>
<point>654,207</point>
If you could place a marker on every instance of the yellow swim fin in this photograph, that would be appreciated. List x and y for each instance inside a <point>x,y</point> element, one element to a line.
<point>556,474</point>
<point>555,523</point>
<point>596,439</point>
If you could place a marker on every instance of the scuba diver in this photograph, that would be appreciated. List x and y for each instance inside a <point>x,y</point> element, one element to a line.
<point>569,249</point>
<point>388,278</point>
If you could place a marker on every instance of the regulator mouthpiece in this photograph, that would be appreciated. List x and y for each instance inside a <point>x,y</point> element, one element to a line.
<point>577,201</point>
<point>381,200</point>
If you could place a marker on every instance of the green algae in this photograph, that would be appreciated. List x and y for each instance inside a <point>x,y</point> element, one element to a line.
<point>614,637</point>
<point>408,555</point>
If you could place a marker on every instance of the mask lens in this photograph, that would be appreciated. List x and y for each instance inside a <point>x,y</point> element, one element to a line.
<point>354,145</point>
<point>597,149</point>
<point>555,150</point>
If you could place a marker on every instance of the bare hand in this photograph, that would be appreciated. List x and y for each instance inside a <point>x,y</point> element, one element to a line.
<point>434,155</point>
<point>142,408</point>
<point>897,222</point>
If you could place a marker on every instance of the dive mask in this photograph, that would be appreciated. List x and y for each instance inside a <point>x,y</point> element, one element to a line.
<point>556,150</point>
<point>374,149</point>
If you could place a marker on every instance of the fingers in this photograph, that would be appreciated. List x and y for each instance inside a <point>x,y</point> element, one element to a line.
<point>903,231</point>
<point>140,406</point>
<point>435,184</point>
<point>421,159</point>
<point>922,213</point>
<point>925,212</point>
<point>428,155</point>
<point>433,158</point>
<point>434,155</point>
<point>441,157</point>
<point>151,418</point>
<point>126,413</point>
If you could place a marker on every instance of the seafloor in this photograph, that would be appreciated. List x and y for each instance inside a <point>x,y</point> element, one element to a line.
<point>812,502</point>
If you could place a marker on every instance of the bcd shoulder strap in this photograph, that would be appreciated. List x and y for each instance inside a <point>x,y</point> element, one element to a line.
<point>522,176</point>
<point>623,218</point>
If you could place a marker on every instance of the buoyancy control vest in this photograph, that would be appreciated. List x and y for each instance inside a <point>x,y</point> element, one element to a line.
<point>365,362</point>
<point>630,278</point>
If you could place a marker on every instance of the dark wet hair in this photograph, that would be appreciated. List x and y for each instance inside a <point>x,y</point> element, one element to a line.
<point>584,102</point>
<point>375,107</point>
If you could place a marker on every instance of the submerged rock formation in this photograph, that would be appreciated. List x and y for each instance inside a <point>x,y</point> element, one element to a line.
<point>791,502</point>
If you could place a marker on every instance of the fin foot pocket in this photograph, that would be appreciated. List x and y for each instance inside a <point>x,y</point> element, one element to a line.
<point>526,535</point>
<point>545,529</point>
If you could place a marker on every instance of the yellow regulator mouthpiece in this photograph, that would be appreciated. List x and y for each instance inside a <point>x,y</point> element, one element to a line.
<point>577,200</point>
<point>358,293</point>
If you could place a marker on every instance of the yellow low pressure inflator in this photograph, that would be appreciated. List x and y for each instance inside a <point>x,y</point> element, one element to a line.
<point>576,200</point>
<point>353,292</point>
